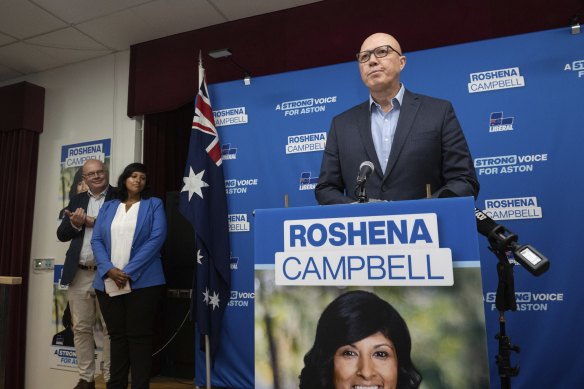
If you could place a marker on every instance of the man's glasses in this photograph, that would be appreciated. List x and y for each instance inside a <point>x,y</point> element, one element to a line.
<point>379,52</point>
<point>97,173</point>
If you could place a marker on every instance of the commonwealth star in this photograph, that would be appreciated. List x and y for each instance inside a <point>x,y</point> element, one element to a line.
<point>194,183</point>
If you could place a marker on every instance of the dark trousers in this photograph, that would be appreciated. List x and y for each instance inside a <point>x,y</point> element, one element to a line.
<point>129,319</point>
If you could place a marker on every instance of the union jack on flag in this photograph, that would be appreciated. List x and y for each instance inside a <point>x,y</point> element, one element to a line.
<point>204,121</point>
<point>203,202</point>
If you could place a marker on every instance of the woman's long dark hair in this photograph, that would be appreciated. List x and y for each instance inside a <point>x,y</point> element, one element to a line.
<point>128,171</point>
<point>77,178</point>
<point>351,317</point>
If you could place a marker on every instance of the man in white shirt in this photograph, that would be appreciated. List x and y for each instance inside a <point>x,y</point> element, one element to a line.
<point>79,269</point>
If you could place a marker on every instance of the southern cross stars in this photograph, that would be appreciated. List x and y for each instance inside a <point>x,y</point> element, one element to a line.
<point>211,300</point>
<point>214,300</point>
<point>206,296</point>
<point>194,183</point>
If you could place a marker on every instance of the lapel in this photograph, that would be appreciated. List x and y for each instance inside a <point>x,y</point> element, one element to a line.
<point>408,111</point>
<point>84,201</point>
<point>363,123</point>
<point>142,212</point>
<point>110,193</point>
<point>108,212</point>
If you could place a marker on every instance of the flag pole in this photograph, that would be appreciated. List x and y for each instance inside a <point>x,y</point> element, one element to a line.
<point>207,343</point>
<point>213,274</point>
<point>208,361</point>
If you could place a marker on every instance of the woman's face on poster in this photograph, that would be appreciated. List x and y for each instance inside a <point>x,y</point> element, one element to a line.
<point>82,187</point>
<point>370,363</point>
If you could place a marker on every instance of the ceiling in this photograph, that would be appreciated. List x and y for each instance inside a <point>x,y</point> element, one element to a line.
<point>37,35</point>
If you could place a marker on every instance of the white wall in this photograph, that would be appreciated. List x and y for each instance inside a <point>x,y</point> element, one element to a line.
<point>83,102</point>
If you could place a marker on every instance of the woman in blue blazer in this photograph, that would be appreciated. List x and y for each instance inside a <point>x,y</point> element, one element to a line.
<point>129,282</point>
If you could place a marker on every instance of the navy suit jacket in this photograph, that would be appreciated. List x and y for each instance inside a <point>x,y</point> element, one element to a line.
<point>429,147</point>
<point>66,232</point>
<point>145,266</point>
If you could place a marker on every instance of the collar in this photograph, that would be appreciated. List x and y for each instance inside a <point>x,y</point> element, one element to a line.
<point>396,101</point>
<point>99,195</point>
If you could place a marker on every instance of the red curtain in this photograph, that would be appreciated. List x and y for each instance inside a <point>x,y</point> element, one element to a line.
<point>21,121</point>
<point>166,142</point>
<point>18,161</point>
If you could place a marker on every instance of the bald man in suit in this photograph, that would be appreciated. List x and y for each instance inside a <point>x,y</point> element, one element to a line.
<point>414,141</point>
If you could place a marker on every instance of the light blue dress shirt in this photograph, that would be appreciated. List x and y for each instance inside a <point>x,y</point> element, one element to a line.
<point>383,126</point>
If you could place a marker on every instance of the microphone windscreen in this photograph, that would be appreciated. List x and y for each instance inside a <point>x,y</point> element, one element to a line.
<point>485,225</point>
<point>367,163</point>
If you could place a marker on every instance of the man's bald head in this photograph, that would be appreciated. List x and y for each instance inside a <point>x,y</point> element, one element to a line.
<point>374,41</point>
<point>382,75</point>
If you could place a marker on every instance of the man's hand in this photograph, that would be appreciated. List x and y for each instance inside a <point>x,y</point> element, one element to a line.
<point>77,218</point>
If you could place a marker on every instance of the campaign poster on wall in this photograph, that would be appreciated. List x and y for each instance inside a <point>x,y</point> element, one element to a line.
<point>72,158</point>
<point>62,354</point>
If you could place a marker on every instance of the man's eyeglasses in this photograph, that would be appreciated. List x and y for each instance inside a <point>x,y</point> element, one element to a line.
<point>379,52</point>
<point>97,173</point>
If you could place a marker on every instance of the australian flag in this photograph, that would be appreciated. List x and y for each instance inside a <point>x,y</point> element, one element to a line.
<point>203,202</point>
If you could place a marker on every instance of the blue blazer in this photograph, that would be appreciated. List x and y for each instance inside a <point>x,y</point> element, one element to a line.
<point>429,147</point>
<point>145,266</point>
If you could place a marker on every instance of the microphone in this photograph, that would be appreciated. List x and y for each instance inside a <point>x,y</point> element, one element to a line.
<point>502,239</point>
<point>365,171</point>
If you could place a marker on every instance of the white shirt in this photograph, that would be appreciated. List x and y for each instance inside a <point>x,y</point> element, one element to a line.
<point>122,229</point>
<point>383,126</point>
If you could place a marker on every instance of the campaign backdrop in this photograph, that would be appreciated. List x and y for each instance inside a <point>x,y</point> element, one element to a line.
<point>519,101</point>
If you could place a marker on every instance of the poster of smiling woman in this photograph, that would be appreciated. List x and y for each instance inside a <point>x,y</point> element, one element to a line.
<point>72,158</point>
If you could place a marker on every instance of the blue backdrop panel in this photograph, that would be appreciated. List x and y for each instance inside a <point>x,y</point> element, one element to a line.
<point>526,142</point>
<point>545,136</point>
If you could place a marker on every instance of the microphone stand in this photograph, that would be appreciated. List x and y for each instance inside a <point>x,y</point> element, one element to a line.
<point>505,301</point>
<point>360,193</point>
